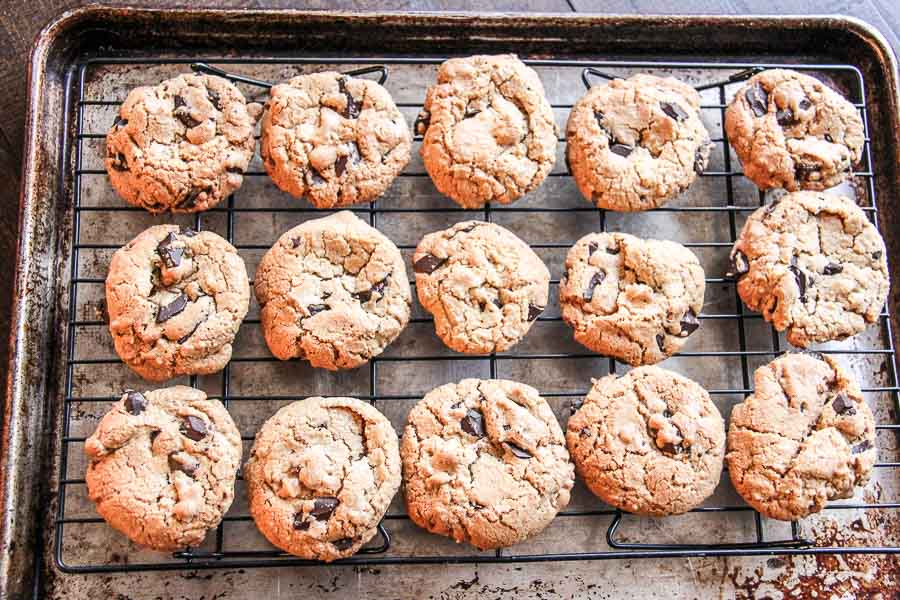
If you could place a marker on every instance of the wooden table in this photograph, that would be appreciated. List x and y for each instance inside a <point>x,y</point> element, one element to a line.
<point>20,20</point>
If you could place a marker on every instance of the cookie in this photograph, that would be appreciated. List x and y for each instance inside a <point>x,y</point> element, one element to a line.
<point>332,291</point>
<point>333,139</point>
<point>181,146</point>
<point>162,466</point>
<point>813,265</point>
<point>792,131</point>
<point>633,144</point>
<point>650,442</point>
<point>485,462</point>
<point>176,299</point>
<point>488,130</point>
<point>633,299</point>
<point>805,436</point>
<point>484,286</point>
<point>321,475</point>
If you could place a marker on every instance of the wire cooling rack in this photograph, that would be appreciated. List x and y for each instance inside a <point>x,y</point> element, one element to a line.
<point>94,377</point>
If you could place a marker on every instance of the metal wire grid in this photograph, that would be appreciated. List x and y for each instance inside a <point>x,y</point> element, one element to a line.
<point>375,554</point>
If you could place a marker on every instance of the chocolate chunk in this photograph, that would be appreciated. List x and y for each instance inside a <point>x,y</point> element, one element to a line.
<point>295,242</point>
<point>119,162</point>
<point>671,448</point>
<point>534,311</point>
<point>237,170</point>
<point>120,122</point>
<point>843,406</point>
<point>190,199</point>
<point>170,256</point>
<point>173,308</point>
<point>596,280</point>
<point>343,543</point>
<point>183,113</point>
<point>833,268</point>
<point>496,302</point>
<point>178,462</point>
<point>689,323</point>
<point>473,423</point>
<point>802,280</point>
<point>518,451</point>
<point>575,405</point>
<point>784,117</point>
<point>661,341</point>
<point>673,110</point>
<point>323,507</point>
<point>600,116</point>
<point>214,99</point>
<point>378,288</point>
<point>758,100</point>
<point>592,247</point>
<point>803,170</point>
<point>428,264</point>
<point>315,178</point>
<point>584,432</point>
<point>804,104</point>
<point>422,123</point>
<point>187,232</point>
<point>621,149</point>
<point>353,106</point>
<point>153,435</point>
<point>300,522</point>
<point>135,402</point>
<point>876,255</point>
<point>862,447</point>
<point>316,308</point>
<point>471,113</point>
<point>194,428</point>
<point>739,265</point>
<point>829,139</point>
<point>352,156</point>
<point>699,162</point>
<point>612,250</point>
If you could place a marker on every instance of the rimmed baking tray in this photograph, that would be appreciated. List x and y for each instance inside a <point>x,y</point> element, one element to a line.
<point>64,373</point>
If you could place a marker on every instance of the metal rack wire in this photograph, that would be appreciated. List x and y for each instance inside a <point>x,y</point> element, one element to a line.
<point>225,552</point>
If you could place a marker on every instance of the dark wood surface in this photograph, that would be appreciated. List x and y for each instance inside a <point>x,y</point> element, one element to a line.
<point>20,21</point>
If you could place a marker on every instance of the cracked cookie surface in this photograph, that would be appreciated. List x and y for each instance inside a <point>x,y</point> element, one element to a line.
<point>484,286</point>
<point>333,291</point>
<point>321,475</point>
<point>334,139</point>
<point>488,130</point>
<point>792,131</point>
<point>633,299</point>
<point>650,442</point>
<point>181,146</point>
<point>485,462</point>
<point>813,265</point>
<point>805,436</point>
<point>176,299</point>
<point>633,144</point>
<point>163,465</point>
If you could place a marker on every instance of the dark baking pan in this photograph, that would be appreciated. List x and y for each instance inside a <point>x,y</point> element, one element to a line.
<point>37,435</point>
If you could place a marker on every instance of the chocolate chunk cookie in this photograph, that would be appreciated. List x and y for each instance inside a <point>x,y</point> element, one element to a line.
<point>805,436</point>
<point>485,462</point>
<point>176,299</point>
<point>181,146</point>
<point>633,144</point>
<point>332,291</point>
<point>162,466</point>
<point>489,134</point>
<point>633,299</point>
<point>321,475</point>
<point>650,442</point>
<point>813,265</point>
<point>334,139</point>
<point>794,132</point>
<point>484,286</point>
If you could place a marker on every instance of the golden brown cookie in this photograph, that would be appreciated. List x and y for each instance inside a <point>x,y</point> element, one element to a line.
<point>489,134</point>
